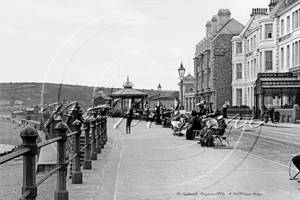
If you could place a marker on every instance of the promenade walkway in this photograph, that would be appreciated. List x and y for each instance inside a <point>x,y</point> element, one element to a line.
<point>153,164</point>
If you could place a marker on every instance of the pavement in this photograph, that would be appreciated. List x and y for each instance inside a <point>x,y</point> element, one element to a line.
<point>154,164</point>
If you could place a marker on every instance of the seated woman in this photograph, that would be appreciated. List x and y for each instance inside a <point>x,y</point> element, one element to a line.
<point>221,126</point>
<point>193,124</point>
<point>210,126</point>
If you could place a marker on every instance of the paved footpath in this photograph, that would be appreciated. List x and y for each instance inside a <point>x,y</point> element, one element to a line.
<point>153,164</point>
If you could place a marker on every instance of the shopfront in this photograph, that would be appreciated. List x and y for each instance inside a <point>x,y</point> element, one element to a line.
<point>276,90</point>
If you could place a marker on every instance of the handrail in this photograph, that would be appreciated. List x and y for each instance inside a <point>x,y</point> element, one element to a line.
<point>42,144</point>
<point>25,194</point>
<point>72,133</point>
<point>13,155</point>
<point>48,175</point>
<point>30,148</point>
<point>70,159</point>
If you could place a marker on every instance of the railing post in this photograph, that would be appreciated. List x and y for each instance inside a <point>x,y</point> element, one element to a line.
<point>98,140</point>
<point>77,174</point>
<point>94,151</point>
<point>105,130</point>
<point>29,137</point>
<point>61,192</point>
<point>102,133</point>
<point>87,163</point>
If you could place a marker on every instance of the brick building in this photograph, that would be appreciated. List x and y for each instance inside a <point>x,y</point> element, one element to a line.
<point>213,60</point>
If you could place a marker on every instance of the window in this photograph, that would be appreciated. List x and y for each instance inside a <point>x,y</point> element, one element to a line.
<point>254,45</point>
<point>239,97</point>
<point>282,58</point>
<point>293,55</point>
<point>269,30</point>
<point>282,27</point>
<point>288,56</point>
<point>293,21</point>
<point>239,48</point>
<point>254,65</point>
<point>296,54</point>
<point>247,45</point>
<point>260,62</point>
<point>260,32</point>
<point>268,59</point>
<point>252,70</point>
<point>248,70</point>
<point>296,19</point>
<point>251,44</point>
<point>288,24</point>
<point>239,71</point>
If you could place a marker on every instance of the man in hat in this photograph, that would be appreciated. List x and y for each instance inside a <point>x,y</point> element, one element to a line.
<point>129,117</point>
<point>221,126</point>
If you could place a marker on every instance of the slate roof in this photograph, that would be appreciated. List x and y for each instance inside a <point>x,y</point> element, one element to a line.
<point>232,27</point>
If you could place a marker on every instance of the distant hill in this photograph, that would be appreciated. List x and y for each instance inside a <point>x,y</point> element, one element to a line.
<point>32,93</point>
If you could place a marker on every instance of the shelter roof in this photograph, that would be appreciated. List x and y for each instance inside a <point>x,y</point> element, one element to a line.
<point>128,91</point>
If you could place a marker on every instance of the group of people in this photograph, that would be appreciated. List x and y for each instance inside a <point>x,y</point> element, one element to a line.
<point>205,121</point>
<point>271,113</point>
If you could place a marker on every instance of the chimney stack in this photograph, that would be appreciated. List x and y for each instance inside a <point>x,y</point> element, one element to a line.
<point>223,18</point>
<point>214,25</point>
<point>272,4</point>
<point>208,28</point>
<point>259,11</point>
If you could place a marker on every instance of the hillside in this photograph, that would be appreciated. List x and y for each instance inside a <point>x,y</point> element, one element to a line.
<point>33,93</point>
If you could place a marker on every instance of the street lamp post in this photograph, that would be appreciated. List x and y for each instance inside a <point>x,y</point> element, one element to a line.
<point>159,89</point>
<point>181,72</point>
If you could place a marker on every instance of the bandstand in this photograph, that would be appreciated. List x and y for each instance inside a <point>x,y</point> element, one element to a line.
<point>126,97</point>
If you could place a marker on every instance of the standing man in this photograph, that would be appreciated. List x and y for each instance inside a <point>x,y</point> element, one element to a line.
<point>129,117</point>
<point>158,122</point>
<point>272,114</point>
<point>225,106</point>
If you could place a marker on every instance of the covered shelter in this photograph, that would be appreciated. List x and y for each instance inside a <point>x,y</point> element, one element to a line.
<point>124,98</point>
<point>276,90</point>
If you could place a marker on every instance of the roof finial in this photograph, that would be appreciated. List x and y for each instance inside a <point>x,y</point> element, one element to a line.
<point>127,84</point>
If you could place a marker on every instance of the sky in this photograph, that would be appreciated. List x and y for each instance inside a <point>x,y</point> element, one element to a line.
<point>99,43</point>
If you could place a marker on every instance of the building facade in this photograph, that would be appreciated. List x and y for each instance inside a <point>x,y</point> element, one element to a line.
<point>213,60</point>
<point>268,44</point>
<point>189,92</point>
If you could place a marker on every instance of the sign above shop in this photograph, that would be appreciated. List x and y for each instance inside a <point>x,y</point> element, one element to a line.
<point>287,74</point>
<point>219,52</point>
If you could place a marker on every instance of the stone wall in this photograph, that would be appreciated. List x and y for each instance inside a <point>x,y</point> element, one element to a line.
<point>222,69</point>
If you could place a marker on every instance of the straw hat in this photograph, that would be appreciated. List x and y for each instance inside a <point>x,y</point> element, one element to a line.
<point>220,117</point>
